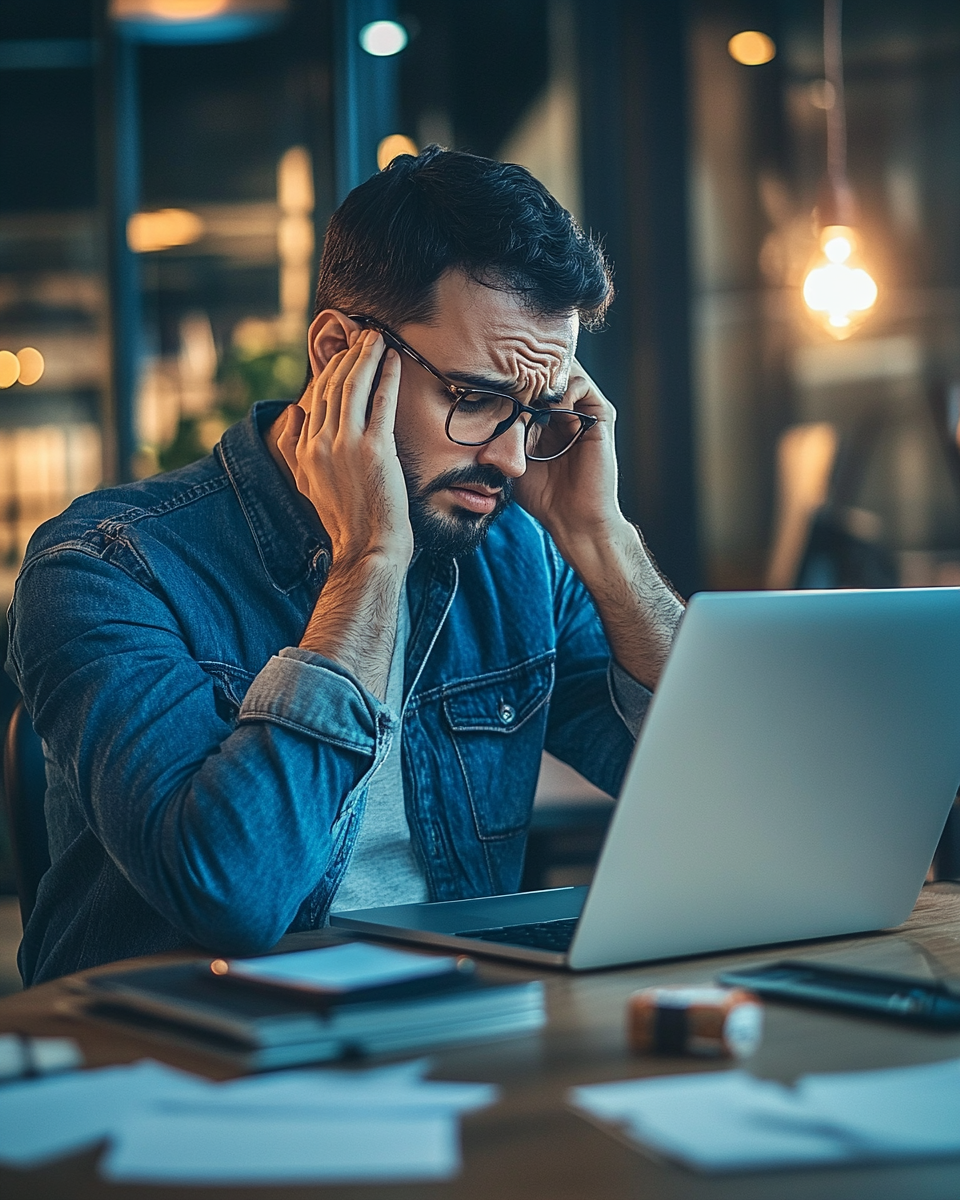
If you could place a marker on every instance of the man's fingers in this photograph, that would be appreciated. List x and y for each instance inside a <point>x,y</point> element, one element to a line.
<point>294,419</point>
<point>383,411</point>
<point>359,384</point>
<point>332,389</point>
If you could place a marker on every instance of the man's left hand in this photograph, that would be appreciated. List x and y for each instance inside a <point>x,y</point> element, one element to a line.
<point>575,496</point>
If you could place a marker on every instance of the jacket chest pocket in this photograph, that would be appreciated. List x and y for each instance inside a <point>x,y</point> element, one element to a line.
<point>497,723</point>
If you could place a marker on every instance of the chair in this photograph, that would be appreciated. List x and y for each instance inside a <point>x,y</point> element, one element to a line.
<point>564,843</point>
<point>24,788</point>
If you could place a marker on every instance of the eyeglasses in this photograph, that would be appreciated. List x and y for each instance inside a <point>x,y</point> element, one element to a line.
<point>478,417</point>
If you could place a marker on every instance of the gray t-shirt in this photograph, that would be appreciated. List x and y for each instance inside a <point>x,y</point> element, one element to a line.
<point>383,868</point>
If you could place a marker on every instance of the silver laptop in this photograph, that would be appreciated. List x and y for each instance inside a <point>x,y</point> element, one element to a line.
<point>791,781</point>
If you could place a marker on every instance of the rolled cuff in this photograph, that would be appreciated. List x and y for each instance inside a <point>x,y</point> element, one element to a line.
<point>306,692</point>
<point>630,698</point>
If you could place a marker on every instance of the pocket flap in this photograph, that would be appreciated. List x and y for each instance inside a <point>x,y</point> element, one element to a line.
<point>502,701</point>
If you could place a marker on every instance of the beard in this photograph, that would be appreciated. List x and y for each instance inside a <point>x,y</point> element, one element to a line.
<point>459,532</point>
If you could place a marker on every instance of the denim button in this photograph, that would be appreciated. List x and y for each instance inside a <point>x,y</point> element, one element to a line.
<point>506,712</point>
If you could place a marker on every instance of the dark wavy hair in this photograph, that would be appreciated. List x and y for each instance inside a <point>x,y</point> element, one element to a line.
<point>394,236</point>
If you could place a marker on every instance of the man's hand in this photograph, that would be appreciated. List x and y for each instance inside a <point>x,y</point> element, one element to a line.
<point>346,465</point>
<point>575,498</point>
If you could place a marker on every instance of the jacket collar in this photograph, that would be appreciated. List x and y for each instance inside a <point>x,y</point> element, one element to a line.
<point>293,547</point>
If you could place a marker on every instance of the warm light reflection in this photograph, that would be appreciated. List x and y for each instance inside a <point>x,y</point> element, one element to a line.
<point>383,38</point>
<point>148,231</point>
<point>31,365</point>
<point>752,48</point>
<point>836,289</point>
<point>392,147</point>
<point>295,181</point>
<point>186,10</point>
<point>219,966</point>
<point>9,368</point>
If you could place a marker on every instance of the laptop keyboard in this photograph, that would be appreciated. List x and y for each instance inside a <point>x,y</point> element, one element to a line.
<point>539,935</point>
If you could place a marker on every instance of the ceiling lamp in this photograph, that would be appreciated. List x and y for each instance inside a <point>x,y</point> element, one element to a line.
<point>838,290</point>
<point>195,21</point>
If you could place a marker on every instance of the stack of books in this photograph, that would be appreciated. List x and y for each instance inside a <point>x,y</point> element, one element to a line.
<point>288,1009</point>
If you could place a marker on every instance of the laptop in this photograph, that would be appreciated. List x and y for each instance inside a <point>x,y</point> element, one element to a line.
<point>791,781</point>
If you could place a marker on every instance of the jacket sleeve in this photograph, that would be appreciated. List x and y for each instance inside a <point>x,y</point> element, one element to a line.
<point>225,830</point>
<point>597,708</point>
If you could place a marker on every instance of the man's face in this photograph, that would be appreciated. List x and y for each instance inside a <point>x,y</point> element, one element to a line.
<point>480,337</point>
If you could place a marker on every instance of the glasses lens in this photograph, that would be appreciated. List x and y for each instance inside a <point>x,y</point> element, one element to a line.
<point>551,433</point>
<point>476,417</point>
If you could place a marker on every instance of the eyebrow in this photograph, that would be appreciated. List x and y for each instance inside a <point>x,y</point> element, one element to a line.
<point>485,384</point>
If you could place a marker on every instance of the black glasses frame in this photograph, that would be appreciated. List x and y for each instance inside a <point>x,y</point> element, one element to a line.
<point>458,394</point>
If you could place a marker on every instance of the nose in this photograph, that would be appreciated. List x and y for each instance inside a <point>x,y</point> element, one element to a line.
<point>506,452</point>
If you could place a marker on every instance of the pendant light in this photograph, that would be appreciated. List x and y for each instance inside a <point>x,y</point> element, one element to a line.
<point>838,290</point>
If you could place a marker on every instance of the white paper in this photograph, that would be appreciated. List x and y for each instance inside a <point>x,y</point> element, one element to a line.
<point>724,1121</point>
<point>238,1148</point>
<point>388,1123</point>
<point>45,1118</point>
<point>904,1110</point>
<point>342,968</point>
<point>21,1056</point>
<point>397,1087</point>
<point>732,1121</point>
<point>293,1126</point>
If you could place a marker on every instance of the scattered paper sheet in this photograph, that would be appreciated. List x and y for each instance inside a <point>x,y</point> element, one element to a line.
<point>292,1126</point>
<point>915,1110</point>
<point>22,1056</point>
<point>242,1148</point>
<point>45,1118</point>
<point>342,968</point>
<point>395,1087</point>
<point>730,1120</point>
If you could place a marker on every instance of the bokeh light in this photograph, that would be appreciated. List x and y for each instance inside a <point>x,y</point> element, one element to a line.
<point>147,231</point>
<point>752,48</point>
<point>187,10</point>
<point>393,145</point>
<point>383,38</point>
<point>9,368</point>
<point>31,365</point>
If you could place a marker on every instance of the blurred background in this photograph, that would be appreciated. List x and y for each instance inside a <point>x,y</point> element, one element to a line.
<point>169,166</point>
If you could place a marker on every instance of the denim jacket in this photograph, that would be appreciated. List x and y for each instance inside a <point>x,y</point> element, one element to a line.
<point>206,778</point>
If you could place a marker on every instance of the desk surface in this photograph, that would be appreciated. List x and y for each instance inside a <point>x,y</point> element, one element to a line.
<point>530,1145</point>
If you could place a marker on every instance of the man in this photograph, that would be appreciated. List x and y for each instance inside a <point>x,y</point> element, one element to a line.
<point>316,670</point>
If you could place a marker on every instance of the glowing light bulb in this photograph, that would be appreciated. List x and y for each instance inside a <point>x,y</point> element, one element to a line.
<point>383,38</point>
<point>836,290</point>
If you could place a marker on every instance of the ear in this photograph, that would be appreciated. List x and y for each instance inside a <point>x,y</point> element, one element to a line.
<point>330,332</point>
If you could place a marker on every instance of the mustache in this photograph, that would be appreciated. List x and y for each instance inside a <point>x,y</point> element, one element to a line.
<point>481,476</point>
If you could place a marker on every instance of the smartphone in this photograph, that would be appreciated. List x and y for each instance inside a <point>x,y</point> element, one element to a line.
<point>898,997</point>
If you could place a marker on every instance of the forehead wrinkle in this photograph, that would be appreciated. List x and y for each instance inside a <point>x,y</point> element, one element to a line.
<point>531,363</point>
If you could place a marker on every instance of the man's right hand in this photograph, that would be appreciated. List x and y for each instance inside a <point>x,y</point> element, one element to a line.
<point>345,463</point>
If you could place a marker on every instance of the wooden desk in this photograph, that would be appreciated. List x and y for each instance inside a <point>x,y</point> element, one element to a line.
<point>530,1145</point>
